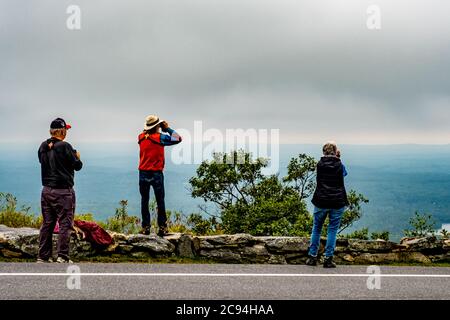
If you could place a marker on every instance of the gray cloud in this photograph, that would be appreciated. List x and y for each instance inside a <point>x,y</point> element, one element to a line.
<point>310,68</point>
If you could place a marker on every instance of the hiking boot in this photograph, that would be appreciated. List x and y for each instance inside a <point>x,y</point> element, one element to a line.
<point>311,261</point>
<point>328,263</point>
<point>162,231</point>
<point>49,260</point>
<point>63,260</point>
<point>145,231</point>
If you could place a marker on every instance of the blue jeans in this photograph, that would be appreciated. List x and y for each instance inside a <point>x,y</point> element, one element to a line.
<point>153,179</point>
<point>334,222</point>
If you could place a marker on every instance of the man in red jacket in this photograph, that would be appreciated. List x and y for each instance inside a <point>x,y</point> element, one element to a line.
<point>151,165</point>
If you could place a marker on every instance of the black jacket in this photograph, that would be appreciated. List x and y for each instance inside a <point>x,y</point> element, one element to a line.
<point>330,191</point>
<point>58,163</point>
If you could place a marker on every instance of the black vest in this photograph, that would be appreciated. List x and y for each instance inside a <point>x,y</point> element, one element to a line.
<point>330,190</point>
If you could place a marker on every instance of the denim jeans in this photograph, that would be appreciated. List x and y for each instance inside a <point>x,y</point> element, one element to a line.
<point>155,179</point>
<point>334,222</point>
<point>58,205</point>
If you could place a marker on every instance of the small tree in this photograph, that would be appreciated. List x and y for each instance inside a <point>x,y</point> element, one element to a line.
<point>249,201</point>
<point>354,210</point>
<point>421,225</point>
<point>202,226</point>
<point>302,173</point>
<point>362,234</point>
<point>383,235</point>
<point>122,222</point>
<point>445,234</point>
<point>16,217</point>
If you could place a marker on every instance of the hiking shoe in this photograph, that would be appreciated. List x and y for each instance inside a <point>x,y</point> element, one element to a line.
<point>63,260</point>
<point>49,260</point>
<point>328,263</point>
<point>145,231</point>
<point>162,231</point>
<point>311,261</point>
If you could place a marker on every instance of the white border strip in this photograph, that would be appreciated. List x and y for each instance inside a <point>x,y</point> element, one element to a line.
<point>268,275</point>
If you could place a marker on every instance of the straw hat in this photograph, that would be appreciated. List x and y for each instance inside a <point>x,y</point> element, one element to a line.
<point>152,121</point>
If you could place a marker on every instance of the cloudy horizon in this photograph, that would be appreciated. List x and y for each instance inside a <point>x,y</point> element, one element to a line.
<point>309,68</point>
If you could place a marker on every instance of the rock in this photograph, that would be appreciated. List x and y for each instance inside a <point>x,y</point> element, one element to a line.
<point>222,255</point>
<point>258,249</point>
<point>203,243</point>
<point>368,258</point>
<point>370,246</point>
<point>255,254</point>
<point>277,259</point>
<point>285,244</point>
<point>430,243</point>
<point>183,244</point>
<point>10,254</point>
<point>440,258</point>
<point>446,245</point>
<point>195,245</point>
<point>152,244</point>
<point>348,258</point>
<point>78,249</point>
<point>341,242</point>
<point>407,257</point>
<point>223,241</point>
<point>296,258</point>
<point>112,247</point>
<point>141,255</point>
<point>25,240</point>
<point>118,237</point>
<point>124,249</point>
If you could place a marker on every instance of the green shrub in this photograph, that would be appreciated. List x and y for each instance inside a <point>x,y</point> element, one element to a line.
<point>14,217</point>
<point>384,235</point>
<point>421,225</point>
<point>362,234</point>
<point>122,222</point>
<point>85,217</point>
<point>176,222</point>
<point>201,226</point>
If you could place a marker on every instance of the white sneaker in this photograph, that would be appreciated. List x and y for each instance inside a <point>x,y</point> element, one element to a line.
<point>62,260</point>
<point>39,260</point>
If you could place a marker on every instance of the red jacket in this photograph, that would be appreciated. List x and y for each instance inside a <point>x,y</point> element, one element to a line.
<point>151,152</point>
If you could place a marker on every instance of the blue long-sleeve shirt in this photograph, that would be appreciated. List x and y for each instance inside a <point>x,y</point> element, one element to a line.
<point>344,170</point>
<point>170,137</point>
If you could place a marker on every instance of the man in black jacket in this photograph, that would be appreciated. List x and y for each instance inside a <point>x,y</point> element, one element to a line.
<point>330,199</point>
<point>58,162</point>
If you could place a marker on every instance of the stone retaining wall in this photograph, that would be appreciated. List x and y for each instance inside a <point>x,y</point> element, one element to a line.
<point>239,248</point>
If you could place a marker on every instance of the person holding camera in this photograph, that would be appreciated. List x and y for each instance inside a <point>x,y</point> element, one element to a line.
<point>330,199</point>
<point>156,135</point>
<point>59,161</point>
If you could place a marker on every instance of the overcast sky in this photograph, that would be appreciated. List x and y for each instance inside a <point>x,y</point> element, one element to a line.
<point>309,68</point>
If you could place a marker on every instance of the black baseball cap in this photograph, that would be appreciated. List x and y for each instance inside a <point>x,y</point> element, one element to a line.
<point>59,123</point>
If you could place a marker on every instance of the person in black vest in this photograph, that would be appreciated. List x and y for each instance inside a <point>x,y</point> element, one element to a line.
<point>330,199</point>
<point>58,162</point>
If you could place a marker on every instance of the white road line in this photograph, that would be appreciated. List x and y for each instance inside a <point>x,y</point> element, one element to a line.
<point>275,275</point>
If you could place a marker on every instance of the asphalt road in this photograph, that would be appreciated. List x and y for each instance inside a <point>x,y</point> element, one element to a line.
<point>191,282</point>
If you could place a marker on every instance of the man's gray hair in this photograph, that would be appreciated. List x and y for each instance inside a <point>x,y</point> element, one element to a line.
<point>329,148</point>
<point>58,132</point>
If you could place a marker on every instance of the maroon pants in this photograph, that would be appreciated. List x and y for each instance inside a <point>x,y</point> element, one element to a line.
<point>57,205</point>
